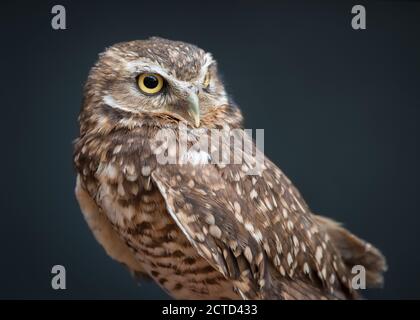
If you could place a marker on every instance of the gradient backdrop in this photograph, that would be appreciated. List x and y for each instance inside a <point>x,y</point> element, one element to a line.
<point>340,109</point>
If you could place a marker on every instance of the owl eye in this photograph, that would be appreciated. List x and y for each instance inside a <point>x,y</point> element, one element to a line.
<point>150,83</point>
<point>206,81</point>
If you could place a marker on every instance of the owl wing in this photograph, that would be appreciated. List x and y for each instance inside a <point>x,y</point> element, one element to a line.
<point>259,232</point>
<point>104,233</point>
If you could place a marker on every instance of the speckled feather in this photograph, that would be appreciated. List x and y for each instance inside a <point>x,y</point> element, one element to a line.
<point>203,231</point>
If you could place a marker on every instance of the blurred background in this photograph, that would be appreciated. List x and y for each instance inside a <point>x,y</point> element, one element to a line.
<point>340,109</point>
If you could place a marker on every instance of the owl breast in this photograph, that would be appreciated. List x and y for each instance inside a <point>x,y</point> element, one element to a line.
<point>138,213</point>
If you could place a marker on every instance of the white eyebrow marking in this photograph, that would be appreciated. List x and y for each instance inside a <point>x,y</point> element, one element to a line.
<point>205,68</point>
<point>138,66</point>
<point>110,101</point>
<point>141,66</point>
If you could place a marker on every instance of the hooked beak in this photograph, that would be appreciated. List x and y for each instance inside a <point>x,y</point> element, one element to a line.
<point>187,108</point>
<point>194,108</point>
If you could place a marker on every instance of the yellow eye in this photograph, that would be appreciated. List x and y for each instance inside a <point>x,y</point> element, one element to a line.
<point>206,81</point>
<point>150,83</point>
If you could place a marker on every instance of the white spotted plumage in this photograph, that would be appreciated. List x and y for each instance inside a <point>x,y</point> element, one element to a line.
<point>199,229</point>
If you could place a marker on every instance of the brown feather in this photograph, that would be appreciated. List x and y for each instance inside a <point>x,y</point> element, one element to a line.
<point>204,231</point>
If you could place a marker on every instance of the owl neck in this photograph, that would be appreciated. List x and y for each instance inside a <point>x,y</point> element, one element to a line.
<point>113,137</point>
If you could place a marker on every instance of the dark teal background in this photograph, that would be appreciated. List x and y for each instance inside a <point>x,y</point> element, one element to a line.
<point>340,109</point>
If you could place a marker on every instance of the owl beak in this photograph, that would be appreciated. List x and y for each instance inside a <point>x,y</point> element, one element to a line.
<point>194,108</point>
<point>187,109</point>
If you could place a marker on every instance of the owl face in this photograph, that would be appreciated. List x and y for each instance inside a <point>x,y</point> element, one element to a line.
<point>158,77</point>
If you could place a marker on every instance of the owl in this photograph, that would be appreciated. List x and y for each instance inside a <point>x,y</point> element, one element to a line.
<point>200,228</point>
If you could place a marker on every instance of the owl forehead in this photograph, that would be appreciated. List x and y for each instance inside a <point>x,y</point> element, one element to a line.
<point>179,59</point>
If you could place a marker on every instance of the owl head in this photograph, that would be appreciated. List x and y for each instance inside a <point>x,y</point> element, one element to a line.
<point>165,81</point>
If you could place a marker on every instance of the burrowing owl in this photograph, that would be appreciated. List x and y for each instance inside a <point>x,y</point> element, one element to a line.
<point>202,230</point>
